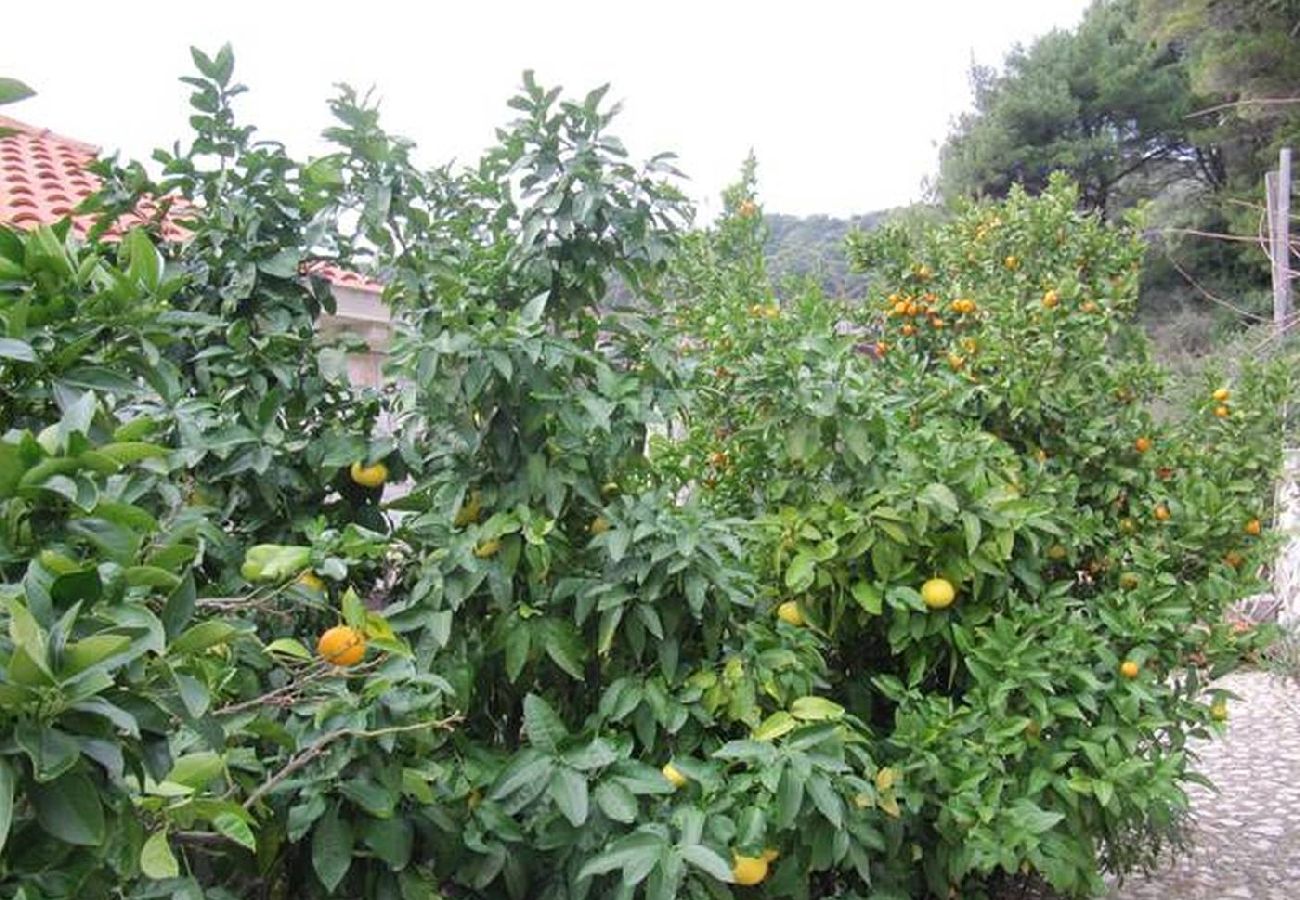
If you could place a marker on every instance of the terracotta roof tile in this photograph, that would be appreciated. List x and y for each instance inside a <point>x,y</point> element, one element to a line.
<point>44,176</point>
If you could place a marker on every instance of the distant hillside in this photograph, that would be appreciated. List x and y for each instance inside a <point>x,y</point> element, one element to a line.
<point>814,245</point>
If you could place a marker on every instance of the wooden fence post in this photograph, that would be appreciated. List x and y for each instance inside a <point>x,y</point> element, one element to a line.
<point>1277,187</point>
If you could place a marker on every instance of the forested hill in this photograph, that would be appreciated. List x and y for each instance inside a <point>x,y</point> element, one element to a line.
<point>814,245</point>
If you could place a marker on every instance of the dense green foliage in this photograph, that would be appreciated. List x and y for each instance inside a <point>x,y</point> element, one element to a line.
<point>648,618</point>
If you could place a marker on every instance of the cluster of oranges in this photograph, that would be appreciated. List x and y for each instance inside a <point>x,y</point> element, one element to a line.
<point>1221,397</point>
<point>917,310</point>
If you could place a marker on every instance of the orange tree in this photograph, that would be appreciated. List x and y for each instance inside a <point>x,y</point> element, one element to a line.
<point>166,726</point>
<point>960,497</point>
<point>632,725</point>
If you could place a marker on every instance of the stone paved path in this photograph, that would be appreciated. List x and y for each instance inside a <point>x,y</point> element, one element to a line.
<point>1246,837</point>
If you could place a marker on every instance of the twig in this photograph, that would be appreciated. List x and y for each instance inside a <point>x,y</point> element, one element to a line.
<point>1205,293</point>
<point>1260,101</point>
<point>306,755</point>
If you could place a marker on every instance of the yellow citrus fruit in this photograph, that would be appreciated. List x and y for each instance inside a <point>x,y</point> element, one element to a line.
<point>1222,411</point>
<point>599,525</point>
<point>311,581</point>
<point>1253,527</point>
<point>487,548</point>
<point>1142,444</point>
<point>938,593</point>
<point>674,775</point>
<point>748,869</point>
<point>790,613</point>
<point>1162,513</point>
<point>956,361</point>
<point>1221,395</point>
<point>1011,263</point>
<point>1128,669</point>
<point>1051,299</point>
<point>369,476</point>
<point>1219,710</point>
<point>342,646</point>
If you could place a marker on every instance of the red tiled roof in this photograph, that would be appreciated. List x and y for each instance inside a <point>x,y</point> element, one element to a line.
<point>44,176</point>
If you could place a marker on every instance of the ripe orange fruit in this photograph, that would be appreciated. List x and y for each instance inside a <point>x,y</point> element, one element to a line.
<point>909,329</point>
<point>1253,527</point>
<point>1221,395</point>
<point>747,870</point>
<point>372,476</point>
<point>1088,307</point>
<point>955,361</point>
<point>1051,300</point>
<point>900,308</point>
<point>342,646</point>
<point>790,613</point>
<point>674,775</point>
<point>1233,558</point>
<point>1011,263</point>
<point>1162,513</point>
<point>1142,444</point>
<point>1128,669</point>
<point>1222,411</point>
<point>746,209</point>
<point>881,348</point>
<point>938,593</point>
<point>936,322</point>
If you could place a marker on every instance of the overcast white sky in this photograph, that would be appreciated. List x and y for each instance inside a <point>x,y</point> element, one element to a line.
<point>844,102</point>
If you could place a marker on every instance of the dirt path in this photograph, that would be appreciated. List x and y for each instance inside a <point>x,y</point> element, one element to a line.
<point>1247,836</point>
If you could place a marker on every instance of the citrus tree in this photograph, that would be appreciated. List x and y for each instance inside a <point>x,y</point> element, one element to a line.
<point>1015,572</point>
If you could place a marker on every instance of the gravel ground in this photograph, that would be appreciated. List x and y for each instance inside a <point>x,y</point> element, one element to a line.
<point>1246,837</point>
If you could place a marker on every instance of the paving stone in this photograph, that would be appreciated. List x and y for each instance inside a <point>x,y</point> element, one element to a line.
<point>1246,837</point>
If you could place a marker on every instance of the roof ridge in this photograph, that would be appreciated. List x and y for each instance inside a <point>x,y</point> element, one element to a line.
<point>46,134</point>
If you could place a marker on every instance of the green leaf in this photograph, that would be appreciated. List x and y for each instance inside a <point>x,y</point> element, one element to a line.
<point>774,726</point>
<point>12,90</point>
<point>544,728</point>
<point>156,858</point>
<point>531,314</point>
<point>235,828</point>
<point>69,809</point>
<point>51,750</point>
<point>635,850</point>
<point>940,498</point>
<point>707,861</point>
<point>19,351</point>
<point>200,637</point>
<point>867,597</point>
<point>288,647</point>
<point>6,800</point>
<point>197,770</point>
<point>127,452</point>
<point>815,709</point>
<point>331,848</point>
<point>568,788</point>
<point>799,577</point>
<point>616,801</point>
